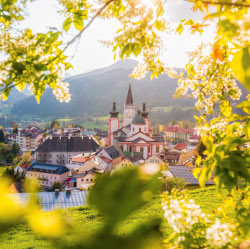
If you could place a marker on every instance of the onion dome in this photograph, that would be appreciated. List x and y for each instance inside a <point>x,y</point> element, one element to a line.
<point>114,113</point>
<point>138,119</point>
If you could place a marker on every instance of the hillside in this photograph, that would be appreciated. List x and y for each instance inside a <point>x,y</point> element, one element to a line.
<point>88,220</point>
<point>94,93</point>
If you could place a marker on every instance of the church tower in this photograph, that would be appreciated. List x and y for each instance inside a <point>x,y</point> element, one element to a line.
<point>144,114</point>
<point>129,108</point>
<point>114,123</point>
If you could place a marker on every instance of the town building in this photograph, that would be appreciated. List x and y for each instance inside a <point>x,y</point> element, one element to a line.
<point>178,135</point>
<point>170,157</point>
<point>46,174</point>
<point>60,150</point>
<point>134,135</point>
<point>27,141</point>
<point>22,168</point>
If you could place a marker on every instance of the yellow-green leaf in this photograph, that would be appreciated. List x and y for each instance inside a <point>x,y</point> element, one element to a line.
<point>78,22</point>
<point>67,24</point>
<point>159,25</point>
<point>241,66</point>
<point>179,29</point>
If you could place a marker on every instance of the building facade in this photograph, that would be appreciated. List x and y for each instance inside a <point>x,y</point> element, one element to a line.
<point>134,135</point>
<point>46,175</point>
<point>60,150</point>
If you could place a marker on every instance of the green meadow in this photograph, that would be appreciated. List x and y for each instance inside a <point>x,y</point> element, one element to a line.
<point>88,220</point>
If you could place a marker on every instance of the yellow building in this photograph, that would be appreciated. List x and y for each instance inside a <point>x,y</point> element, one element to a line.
<point>125,163</point>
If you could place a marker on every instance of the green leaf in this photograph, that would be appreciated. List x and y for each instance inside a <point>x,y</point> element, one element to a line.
<point>78,22</point>
<point>67,24</point>
<point>20,86</point>
<point>179,29</point>
<point>241,66</point>
<point>120,194</point>
<point>227,29</point>
<point>6,93</point>
<point>136,49</point>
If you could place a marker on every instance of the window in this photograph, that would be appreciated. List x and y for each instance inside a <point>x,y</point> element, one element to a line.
<point>82,180</point>
<point>157,161</point>
<point>141,150</point>
<point>139,129</point>
<point>151,161</point>
<point>157,149</point>
<point>91,180</point>
<point>87,180</point>
<point>148,149</point>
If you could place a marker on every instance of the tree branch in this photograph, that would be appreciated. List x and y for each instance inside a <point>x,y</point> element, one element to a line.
<point>222,3</point>
<point>90,22</point>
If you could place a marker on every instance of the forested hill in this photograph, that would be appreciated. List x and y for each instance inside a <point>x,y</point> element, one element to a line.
<point>94,93</point>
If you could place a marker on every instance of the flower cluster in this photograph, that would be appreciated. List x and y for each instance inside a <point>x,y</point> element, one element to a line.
<point>182,214</point>
<point>219,234</point>
<point>139,71</point>
<point>69,4</point>
<point>192,226</point>
<point>209,79</point>
<point>62,92</point>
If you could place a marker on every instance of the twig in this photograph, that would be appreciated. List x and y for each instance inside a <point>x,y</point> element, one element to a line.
<point>90,22</point>
<point>222,3</point>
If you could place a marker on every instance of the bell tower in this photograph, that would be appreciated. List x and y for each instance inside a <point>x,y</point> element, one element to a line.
<point>129,108</point>
<point>114,123</point>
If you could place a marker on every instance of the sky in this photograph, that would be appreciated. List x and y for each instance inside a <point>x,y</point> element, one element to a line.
<point>90,54</point>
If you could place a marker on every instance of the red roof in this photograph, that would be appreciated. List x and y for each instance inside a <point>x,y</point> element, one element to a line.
<point>25,166</point>
<point>80,159</point>
<point>195,137</point>
<point>105,159</point>
<point>177,129</point>
<point>180,146</point>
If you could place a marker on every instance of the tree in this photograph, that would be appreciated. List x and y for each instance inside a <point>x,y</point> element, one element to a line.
<point>53,123</point>
<point>38,60</point>
<point>14,125</point>
<point>15,149</point>
<point>56,185</point>
<point>25,158</point>
<point>1,136</point>
<point>15,130</point>
<point>170,183</point>
<point>9,158</point>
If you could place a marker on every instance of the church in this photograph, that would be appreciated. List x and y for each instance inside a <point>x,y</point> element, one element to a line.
<point>133,135</point>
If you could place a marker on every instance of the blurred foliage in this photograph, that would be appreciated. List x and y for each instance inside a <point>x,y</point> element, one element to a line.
<point>170,183</point>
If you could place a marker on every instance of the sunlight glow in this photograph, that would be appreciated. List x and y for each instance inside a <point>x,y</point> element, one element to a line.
<point>148,3</point>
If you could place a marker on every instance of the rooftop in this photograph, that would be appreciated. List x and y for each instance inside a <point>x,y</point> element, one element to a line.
<point>48,168</point>
<point>65,144</point>
<point>181,171</point>
<point>51,200</point>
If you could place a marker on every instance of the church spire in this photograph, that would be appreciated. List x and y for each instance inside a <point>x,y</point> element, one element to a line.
<point>129,100</point>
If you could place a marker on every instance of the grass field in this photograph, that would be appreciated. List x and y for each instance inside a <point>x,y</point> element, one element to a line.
<point>88,221</point>
<point>92,125</point>
<point>162,108</point>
